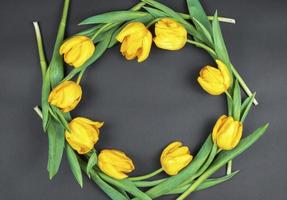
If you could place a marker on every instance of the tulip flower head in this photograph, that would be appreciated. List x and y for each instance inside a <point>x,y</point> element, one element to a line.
<point>77,50</point>
<point>136,41</point>
<point>66,96</point>
<point>227,132</point>
<point>83,135</point>
<point>213,80</point>
<point>174,158</point>
<point>115,163</point>
<point>170,34</point>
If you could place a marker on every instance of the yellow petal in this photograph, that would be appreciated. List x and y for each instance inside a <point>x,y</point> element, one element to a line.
<point>225,73</point>
<point>146,46</point>
<point>87,50</point>
<point>69,43</point>
<point>211,88</point>
<point>131,28</point>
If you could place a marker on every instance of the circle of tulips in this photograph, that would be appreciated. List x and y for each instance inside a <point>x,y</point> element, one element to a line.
<point>110,168</point>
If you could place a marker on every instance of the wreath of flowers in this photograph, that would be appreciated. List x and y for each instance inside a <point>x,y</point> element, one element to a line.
<point>109,168</point>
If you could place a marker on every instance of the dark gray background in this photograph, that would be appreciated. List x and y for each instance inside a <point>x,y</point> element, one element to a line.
<point>145,106</point>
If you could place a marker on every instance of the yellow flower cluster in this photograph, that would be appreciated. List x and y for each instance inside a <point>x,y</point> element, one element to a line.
<point>136,42</point>
<point>136,39</point>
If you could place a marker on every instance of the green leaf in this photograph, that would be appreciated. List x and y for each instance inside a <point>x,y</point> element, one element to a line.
<point>236,101</point>
<point>91,163</point>
<point>44,100</point>
<point>246,106</point>
<point>113,17</point>
<point>173,181</point>
<point>60,117</point>
<point>171,13</point>
<point>56,66</point>
<point>219,43</point>
<point>205,34</point>
<point>206,184</point>
<point>196,11</point>
<point>74,165</point>
<point>56,146</point>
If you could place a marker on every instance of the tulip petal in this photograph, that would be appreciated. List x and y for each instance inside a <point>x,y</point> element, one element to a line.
<point>146,46</point>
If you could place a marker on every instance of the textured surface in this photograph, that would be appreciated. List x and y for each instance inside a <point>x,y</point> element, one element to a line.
<point>145,106</point>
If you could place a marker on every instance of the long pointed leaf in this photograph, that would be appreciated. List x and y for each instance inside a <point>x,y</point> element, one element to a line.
<point>56,146</point>
<point>74,165</point>
<point>114,17</point>
<point>219,43</point>
<point>196,11</point>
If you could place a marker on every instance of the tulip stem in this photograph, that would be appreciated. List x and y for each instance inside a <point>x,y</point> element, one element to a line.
<point>139,178</point>
<point>203,46</point>
<point>38,111</point>
<point>41,53</point>
<point>229,167</point>
<point>80,76</point>
<point>228,95</point>
<point>221,19</point>
<point>153,21</point>
<point>243,84</point>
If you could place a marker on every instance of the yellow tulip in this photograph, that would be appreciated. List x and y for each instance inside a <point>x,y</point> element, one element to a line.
<point>227,132</point>
<point>115,163</point>
<point>66,96</point>
<point>174,158</point>
<point>170,34</point>
<point>77,50</point>
<point>136,41</point>
<point>213,80</point>
<point>83,135</point>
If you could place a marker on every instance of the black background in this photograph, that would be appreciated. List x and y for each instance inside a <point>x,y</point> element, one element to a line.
<point>145,106</point>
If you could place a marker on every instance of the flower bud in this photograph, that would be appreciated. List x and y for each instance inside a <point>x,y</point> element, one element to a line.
<point>115,163</point>
<point>170,34</point>
<point>77,50</point>
<point>84,134</point>
<point>66,96</point>
<point>174,158</point>
<point>227,132</point>
<point>136,41</point>
<point>215,81</point>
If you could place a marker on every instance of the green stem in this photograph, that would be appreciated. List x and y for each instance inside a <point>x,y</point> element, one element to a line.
<point>228,95</point>
<point>203,46</point>
<point>229,167</point>
<point>43,62</point>
<point>80,76</point>
<point>153,21</point>
<point>38,111</point>
<point>221,19</point>
<point>147,176</point>
<point>243,84</point>
<point>61,30</point>
<point>202,178</point>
